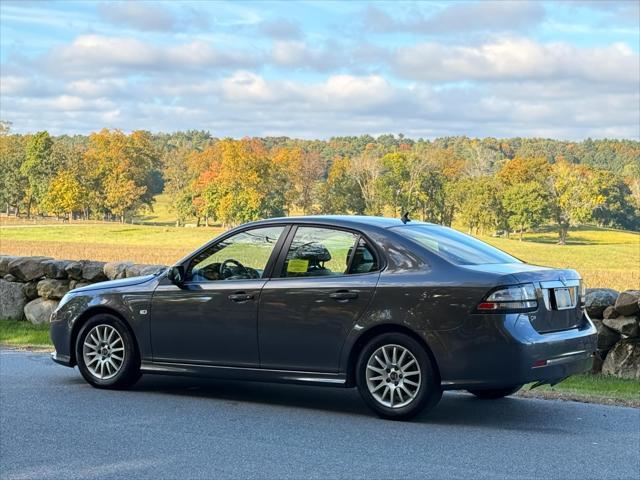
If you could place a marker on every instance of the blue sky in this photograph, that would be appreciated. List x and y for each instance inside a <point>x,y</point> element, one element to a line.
<point>567,70</point>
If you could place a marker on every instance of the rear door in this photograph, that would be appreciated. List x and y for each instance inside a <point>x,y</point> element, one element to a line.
<point>325,278</point>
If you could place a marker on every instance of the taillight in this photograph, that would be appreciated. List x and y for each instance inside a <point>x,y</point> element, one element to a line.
<point>512,298</point>
<point>583,292</point>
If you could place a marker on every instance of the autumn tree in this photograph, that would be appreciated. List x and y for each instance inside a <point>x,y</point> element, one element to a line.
<point>65,194</point>
<point>341,193</point>
<point>574,196</point>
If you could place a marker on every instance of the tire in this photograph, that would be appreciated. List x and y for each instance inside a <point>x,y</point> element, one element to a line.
<point>399,400</point>
<point>117,367</point>
<point>494,394</point>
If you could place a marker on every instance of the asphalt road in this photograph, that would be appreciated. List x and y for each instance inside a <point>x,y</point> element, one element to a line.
<point>53,425</point>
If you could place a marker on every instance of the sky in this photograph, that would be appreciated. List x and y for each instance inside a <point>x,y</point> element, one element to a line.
<point>316,69</point>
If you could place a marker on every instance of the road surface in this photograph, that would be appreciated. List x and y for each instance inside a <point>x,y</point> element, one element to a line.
<point>53,425</point>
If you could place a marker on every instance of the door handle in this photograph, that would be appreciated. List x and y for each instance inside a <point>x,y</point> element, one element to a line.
<point>343,295</point>
<point>240,297</point>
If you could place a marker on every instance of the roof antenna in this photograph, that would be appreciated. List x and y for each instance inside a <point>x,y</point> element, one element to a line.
<point>405,218</point>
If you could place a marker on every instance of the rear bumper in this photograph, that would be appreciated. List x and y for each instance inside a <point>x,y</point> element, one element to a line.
<point>505,350</point>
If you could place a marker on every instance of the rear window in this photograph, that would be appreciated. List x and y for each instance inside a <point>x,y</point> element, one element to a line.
<point>454,246</point>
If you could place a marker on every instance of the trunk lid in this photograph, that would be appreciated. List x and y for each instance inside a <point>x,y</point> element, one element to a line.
<point>557,291</point>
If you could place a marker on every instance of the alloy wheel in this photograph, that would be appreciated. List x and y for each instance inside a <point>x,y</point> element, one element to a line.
<point>393,376</point>
<point>103,352</point>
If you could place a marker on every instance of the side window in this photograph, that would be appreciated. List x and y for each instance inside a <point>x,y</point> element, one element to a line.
<point>364,260</point>
<point>318,252</point>
<point>240,257</point>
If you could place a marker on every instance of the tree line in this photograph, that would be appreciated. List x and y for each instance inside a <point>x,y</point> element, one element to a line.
<point>486,185</point>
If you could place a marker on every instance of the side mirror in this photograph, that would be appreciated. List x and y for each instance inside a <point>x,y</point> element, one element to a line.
<point>175,275</point>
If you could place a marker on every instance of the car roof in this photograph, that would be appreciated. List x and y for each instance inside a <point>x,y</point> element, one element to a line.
<point>354,221</point>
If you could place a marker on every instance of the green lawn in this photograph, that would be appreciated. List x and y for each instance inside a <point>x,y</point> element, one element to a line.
<point>24,334</point>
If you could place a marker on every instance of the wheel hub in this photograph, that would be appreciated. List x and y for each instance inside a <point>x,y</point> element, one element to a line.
<point>393,376</point>
<point>103,351</point>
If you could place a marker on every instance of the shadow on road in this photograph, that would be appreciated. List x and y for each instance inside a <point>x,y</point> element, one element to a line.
<point>455,409</point>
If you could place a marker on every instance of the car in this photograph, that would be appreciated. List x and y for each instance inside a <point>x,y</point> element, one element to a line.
<point>403,310</point>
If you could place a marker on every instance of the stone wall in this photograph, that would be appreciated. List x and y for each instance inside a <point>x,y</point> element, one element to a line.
<point>31,287</point>
<point>617,318</point>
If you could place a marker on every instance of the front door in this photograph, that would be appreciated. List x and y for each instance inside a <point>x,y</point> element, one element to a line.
<point>211,319</point>
<point>326,281</point>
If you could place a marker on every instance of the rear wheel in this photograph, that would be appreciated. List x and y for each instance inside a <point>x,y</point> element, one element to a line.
<point>396,378</point>
<point>495,393</point>
<point>106,353</point>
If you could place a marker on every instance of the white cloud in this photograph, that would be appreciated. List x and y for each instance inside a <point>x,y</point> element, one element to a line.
<point>138,15</point>
<point>106,55</point>
<point>516,58</point>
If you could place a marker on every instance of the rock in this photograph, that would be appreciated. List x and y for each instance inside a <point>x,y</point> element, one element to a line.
<point>52,289</point>
<point>26,269</point>
<point>74,270</point>
<point>116,270</point>
<point>151,269</point>
<point>39,310</point>
<point>30,290</point>
<point>623,360</point>
<point>55,269</point>
<point>4,264</point>
<point>607,338</point>
<point>610,312</point>
<point>134,270</point>
<point>10,278</point>
<point>628,302</point>
<point>597,299</point>
<point>93,271</point>
<point>73,284</point>
<point>598,360</point>
<point>627,326</point>
<point>12,300</point>
<point>138,270</point>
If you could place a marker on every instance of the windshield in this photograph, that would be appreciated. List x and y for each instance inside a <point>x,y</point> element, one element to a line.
<point>454,246</point>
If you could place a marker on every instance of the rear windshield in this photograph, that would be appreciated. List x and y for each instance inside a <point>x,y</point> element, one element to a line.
<point>454,246</point>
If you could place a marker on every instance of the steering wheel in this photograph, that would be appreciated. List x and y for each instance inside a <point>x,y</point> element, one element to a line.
<point>231,261</point>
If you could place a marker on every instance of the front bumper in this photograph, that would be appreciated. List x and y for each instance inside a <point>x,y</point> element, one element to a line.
<point>61,359</point>
<point>502,351</point>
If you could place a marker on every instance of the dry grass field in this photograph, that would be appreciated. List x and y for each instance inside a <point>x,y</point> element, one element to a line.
<point>605,258</point>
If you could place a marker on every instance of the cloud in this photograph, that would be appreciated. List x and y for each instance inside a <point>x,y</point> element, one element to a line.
<point>517,59</point>
<point>100,55</point>
<point>459,18</point>
<point>137,15</point>
<point>281,29</point>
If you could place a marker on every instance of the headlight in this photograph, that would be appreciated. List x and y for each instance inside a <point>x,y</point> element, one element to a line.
<point>510,298</point>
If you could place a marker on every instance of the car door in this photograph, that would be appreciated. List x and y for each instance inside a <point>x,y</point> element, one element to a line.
<point>325,280</point>
<point>211,318</point>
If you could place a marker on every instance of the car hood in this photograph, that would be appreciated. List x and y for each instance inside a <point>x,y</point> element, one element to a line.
<point>524,272</point>
<point>124,282</point>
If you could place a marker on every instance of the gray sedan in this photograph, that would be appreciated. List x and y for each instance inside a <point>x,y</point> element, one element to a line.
<point>400,309</point>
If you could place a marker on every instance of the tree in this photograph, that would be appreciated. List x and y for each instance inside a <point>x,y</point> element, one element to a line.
<point>37,167</point>
<point>526,206</point>
<point>13,184</point>
<point>341,194</point>
<point>574,196</point>
<point>366,170</point>
<point>478,204</point>
<point>65,194</point>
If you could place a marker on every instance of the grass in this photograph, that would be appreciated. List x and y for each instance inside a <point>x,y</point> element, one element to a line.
<point>582,388</point>
<point>24,335</point>
<point>591,389</point>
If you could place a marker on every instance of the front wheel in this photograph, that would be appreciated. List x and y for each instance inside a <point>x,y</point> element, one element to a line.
<point>495,393</point>
<point>106,353</point>
<point>396,378</point>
